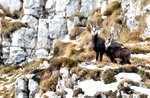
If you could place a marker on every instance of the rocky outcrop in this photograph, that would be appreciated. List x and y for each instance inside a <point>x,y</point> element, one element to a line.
<point>47,20</point>
<point>27,86</point>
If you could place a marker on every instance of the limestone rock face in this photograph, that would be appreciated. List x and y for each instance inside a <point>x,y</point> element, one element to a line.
<point>27,86</point>
<point>21,87</point>
<point>47,20</point>
<point>10,5</point>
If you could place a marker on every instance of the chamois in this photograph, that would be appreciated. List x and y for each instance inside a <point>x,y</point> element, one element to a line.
<point>113,50</point>
<point>98,43</point>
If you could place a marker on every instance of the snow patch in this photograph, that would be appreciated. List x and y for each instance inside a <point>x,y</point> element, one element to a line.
<point>141,90</point>
<point>145,56</point>
<point>131,76</point>
<point>90,87</point>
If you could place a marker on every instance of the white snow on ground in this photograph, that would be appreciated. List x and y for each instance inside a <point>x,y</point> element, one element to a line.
<point>69,93</point>
<point>90,87</point>
<point>141,89</point>
<point>139,43</point>
<point>141,55</point>
<point>89,65</point>
<point>131,76</point>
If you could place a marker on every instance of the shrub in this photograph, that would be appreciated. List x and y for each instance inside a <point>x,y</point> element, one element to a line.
<point>108,76</point>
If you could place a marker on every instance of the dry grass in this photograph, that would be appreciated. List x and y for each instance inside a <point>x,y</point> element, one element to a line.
<point>76,31</point>
<point>130,68</point>
<point>126,36</point>
<point>135,36</point>
<point>57,63</point>
<point>140,49</point>
<point>144,2</point>
<point>85,39</point>
<point>141,23</point>
<point>86,56</point>
<point>49,83</point>
<point>59,48</point>
<point>136,60</point>
<point>108,76</point>
<point>147,84</point>
<point>8,69</point>
<point>32,65</point>
<point>9,27</point>
<point>112,7</point>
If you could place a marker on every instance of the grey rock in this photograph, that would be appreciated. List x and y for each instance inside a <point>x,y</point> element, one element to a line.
<point>17,55</point>
<point>41,53</point>
<point>21,88</point>
<point>30,20</point>
<point>18,38</point>
<point>72,7</point>
<point>33,85</point>
<point>57,28</point>
<point>87,6</point>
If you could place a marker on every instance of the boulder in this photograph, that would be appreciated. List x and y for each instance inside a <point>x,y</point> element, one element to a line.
<point>33,85</point>
<point>21,88</point>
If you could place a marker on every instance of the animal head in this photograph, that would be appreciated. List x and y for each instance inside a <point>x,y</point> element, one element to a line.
<point>108,43</point>
<point>94,29</point>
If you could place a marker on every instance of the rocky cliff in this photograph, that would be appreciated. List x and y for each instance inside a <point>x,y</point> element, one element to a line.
<point>47,20</point>
<point>49,44</point>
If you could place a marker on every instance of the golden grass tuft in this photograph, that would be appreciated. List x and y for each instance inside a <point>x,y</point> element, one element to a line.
<point>48,84</point>
<point>59,47</point>
<point>126,36</point>
<point>139,49</point>
<point>112,7</point>
<point>136,60</point>
<point>130,68</point>
<point>76,31</point>
<point>69,49</point>
<point>144,2</point>
<point>32,65</point>
<point>57,63</point>
<point>86,56</point>
<point>85,39</point>
<point>8,69</point>
<point>9,27</point>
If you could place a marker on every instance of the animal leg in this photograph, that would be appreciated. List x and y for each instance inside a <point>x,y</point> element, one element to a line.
<point>101,56</point>
<point>128,62</point>
<point>97,55</point>
<point>112,59</point>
